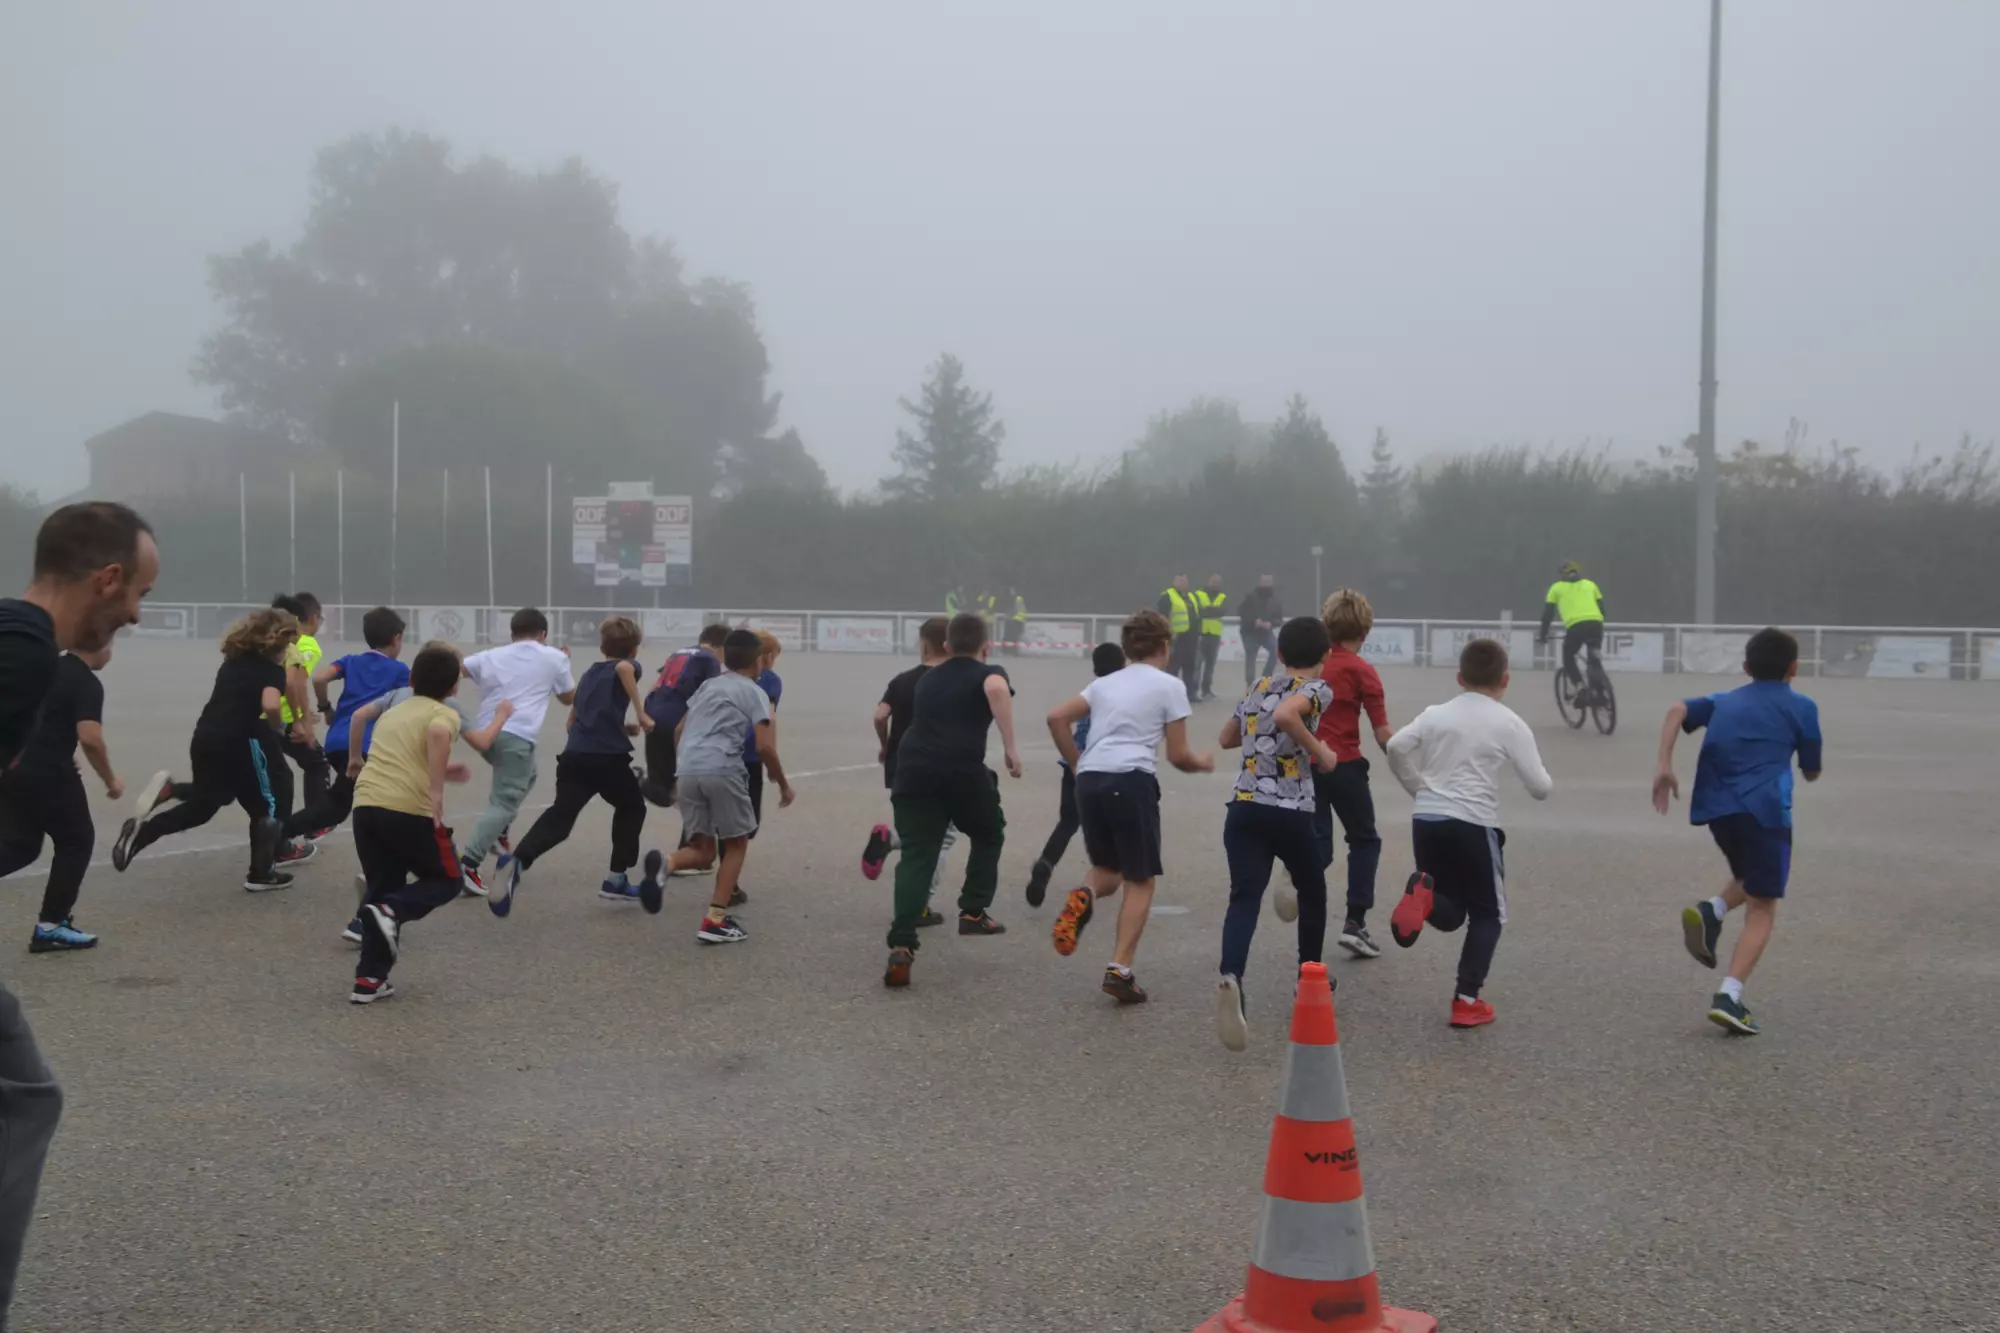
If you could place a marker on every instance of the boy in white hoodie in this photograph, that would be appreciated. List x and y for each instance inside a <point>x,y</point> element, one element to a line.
<point>1450,758</point>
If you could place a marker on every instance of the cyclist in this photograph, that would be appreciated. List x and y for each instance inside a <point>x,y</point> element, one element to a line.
<point>1581,605</point>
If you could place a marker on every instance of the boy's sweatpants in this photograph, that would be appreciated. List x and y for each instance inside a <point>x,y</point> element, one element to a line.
<point>972,805</point>
<point>1467,866</point>
<point>411,869</point>
<point>55,806</point>
<point>1343,794</point>
<point>1253,837</point>
<point>512,759</point>
<point>579,778</point>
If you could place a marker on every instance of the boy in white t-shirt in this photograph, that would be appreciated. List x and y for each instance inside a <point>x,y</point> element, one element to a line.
<point>527,673</point>
<point>1450,760</point>
<point>1117,796</point>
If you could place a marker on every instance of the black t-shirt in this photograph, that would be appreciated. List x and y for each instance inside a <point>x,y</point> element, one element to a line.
<point>947,735</point>
<point>901,696</point>
<point>236,706</point>
<point>28,656</point>
<point>78,696</point>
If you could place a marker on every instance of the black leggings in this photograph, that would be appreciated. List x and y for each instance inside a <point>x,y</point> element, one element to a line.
<point>1574,638</point>
<point>579,777</point>
<point>310,813</point>
<point>1066,821</point>
<point>226,770</point>
<point>51,805</point>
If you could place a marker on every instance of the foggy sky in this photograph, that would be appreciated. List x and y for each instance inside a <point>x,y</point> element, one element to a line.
<point>1465,222</point>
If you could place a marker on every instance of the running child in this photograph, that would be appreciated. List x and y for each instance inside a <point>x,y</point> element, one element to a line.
<point>1117,794</point>
<point>942,782</point>
<point>667,703</point>
<point>301,810</point>
<point>1450,760</point>
<point>717,814</point>
<point>1743,793</point>
<point>1104,659</point>
<point>407,862</point>
<point>227,752</point>
<point>893,715</point>
<point>1272,811</point>
<point>595,762</point>
<point>773,686</point>
<point>42,796</point>
<point>1343,792</point>
<point>365,677</point>
<point>527,673</point>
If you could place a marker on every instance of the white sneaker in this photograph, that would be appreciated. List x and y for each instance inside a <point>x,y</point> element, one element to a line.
<point>1231,1024</point>
<point>1285,902</point>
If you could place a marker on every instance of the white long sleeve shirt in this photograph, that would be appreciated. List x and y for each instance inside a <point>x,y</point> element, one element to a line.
<point>1450,758</point>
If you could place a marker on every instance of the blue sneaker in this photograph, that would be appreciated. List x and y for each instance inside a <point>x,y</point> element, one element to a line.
<point>60,937</point>
<point>618,889</point>
<point>507,870</point>
<point>651,895</point>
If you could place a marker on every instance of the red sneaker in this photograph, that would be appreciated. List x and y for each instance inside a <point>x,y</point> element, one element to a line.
<point>1471,1013</point>
<point>1407,921</point>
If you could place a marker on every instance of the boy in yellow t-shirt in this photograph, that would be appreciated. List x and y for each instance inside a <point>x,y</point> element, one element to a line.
<point>407,859</point>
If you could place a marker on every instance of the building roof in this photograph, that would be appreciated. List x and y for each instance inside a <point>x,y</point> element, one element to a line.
<point>173,430</point>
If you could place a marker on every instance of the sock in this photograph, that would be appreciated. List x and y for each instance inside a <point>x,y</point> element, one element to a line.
<point>717,913</point>
<point>895,843</point>
<point>1733,989</point>
<point>1121,971</point>
<point>1468,999</point>
<point>618,877</point>
<point>1720,907</point>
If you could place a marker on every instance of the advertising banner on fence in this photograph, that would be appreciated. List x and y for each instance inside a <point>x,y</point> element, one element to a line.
<point>789,630</point>
<point>1056,638</point>
<point>1989,658</point>
<point>854,634</point>
<point>670,629</point>
<point>1633,650</point>
<point>1892,656</point>
<point>453,624</point>
<point>1391,645</point>
<point>1448,641</point>
<point>1710,652</point>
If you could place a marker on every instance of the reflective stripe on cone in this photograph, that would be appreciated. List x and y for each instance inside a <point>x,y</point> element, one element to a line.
<point>1313,1268</point>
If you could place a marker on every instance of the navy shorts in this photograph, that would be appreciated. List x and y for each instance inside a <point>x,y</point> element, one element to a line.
<point>1760,859</point>
<point>1120,815</point>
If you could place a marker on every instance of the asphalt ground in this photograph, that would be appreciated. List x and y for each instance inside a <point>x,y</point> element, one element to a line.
<point>580,1119</point>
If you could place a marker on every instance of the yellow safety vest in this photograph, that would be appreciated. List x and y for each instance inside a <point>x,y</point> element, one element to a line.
<point>1179,618</point>
<point>309,650</point>
<point>1210,604</point>
<point>988,606</point>
<point>1020,607</point>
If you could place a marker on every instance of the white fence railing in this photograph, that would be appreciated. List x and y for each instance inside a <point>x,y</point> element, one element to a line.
<point>1906,653</point>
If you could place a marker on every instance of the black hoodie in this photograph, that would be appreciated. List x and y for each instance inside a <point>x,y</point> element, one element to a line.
<point>28,657</point>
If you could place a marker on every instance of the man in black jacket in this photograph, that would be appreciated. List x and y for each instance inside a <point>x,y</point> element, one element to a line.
<point>93,564</point>
<point>1259,620</point>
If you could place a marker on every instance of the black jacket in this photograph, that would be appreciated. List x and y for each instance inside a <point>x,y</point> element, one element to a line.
<point>28,658</point>
<point>1260,604</point>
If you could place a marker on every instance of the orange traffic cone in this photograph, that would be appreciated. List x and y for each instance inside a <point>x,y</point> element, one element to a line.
<point>1313,1270</point>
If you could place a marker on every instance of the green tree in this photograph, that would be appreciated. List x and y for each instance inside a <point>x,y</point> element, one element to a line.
<point>954,452</point>
<point>1183,445</point>
<point>1300,446</point>
<point>1385,486</point>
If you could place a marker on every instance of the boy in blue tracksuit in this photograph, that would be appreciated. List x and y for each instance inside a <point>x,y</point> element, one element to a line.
<point>1743,793</point>
<point>1104,659</point>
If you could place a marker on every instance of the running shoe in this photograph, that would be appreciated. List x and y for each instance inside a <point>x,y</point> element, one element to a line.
<point>158,791</point>
<point>897,973</point>
<point>1731,1016</point>
<point>880,843</point>
<point>651,895</point>
<point>1122,987</point>
<point>1407,921</point>
<point>506,844</point>
<point>1356,940</point>
<point>471,883</point>
<point>353,932</point>
<point>127,846</point>
<point>314,835</point>
<point>1076,913</point>
<point>1701,928</point>
<point>1471,1013</point>
<point>930,918</point>
<point>1232,1024</point>
<point>725,931</point>
<point>265,883</point>
<point>382,921</point>
<point>979,925</point>
<point>737,897</point>
<point>508,868</point>
<point>1285,901</point>
<point>1038,882</point>
<point>61,937</point>
<point>294,853</point>
<point>367,990</point>
<point>618,889</point>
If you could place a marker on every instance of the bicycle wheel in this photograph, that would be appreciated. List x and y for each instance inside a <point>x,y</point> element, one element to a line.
<point>1604,705</point>
<point>1566,704</point>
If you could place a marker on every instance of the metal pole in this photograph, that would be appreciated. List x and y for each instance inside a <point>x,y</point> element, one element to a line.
<point>1706,467</point>
<point>340,541</point>
<point>395,486</point>
<point>1319,599</point>
<point>243,530</point>
<point>444,515</point>
<point>292,501</point>
<point>489,536</point>
<point>549,543</point>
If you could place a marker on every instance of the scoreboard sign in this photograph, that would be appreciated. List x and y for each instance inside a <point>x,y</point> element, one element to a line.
<point>634,538</point>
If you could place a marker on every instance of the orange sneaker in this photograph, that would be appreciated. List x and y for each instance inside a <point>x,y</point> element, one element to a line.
<point>1407,921</point>
<point>1076,913</point>
<point>897,974</point>
<point>1471,1013</point>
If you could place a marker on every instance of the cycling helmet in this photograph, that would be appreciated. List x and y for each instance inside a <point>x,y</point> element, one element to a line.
<point>1570,570</point>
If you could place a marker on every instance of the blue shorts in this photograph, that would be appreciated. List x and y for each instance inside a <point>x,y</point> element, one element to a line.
<point>1760,859</point>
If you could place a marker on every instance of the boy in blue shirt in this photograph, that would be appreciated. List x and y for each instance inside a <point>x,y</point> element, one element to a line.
<point>1743,793</point>
<point>365,677</point>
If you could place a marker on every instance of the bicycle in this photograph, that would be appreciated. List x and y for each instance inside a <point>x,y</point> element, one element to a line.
<point>1594,700</point>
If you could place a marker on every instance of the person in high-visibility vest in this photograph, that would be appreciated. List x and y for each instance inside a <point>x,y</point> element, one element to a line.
<point>1177,605</point>
<point>1208,603</point>
<point>1018,623</point>
<point>954,600</point>
<point>988,607</point>
<point>296,740</point>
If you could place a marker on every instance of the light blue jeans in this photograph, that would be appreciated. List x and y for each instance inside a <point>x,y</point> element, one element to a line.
<point>512,760</point>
